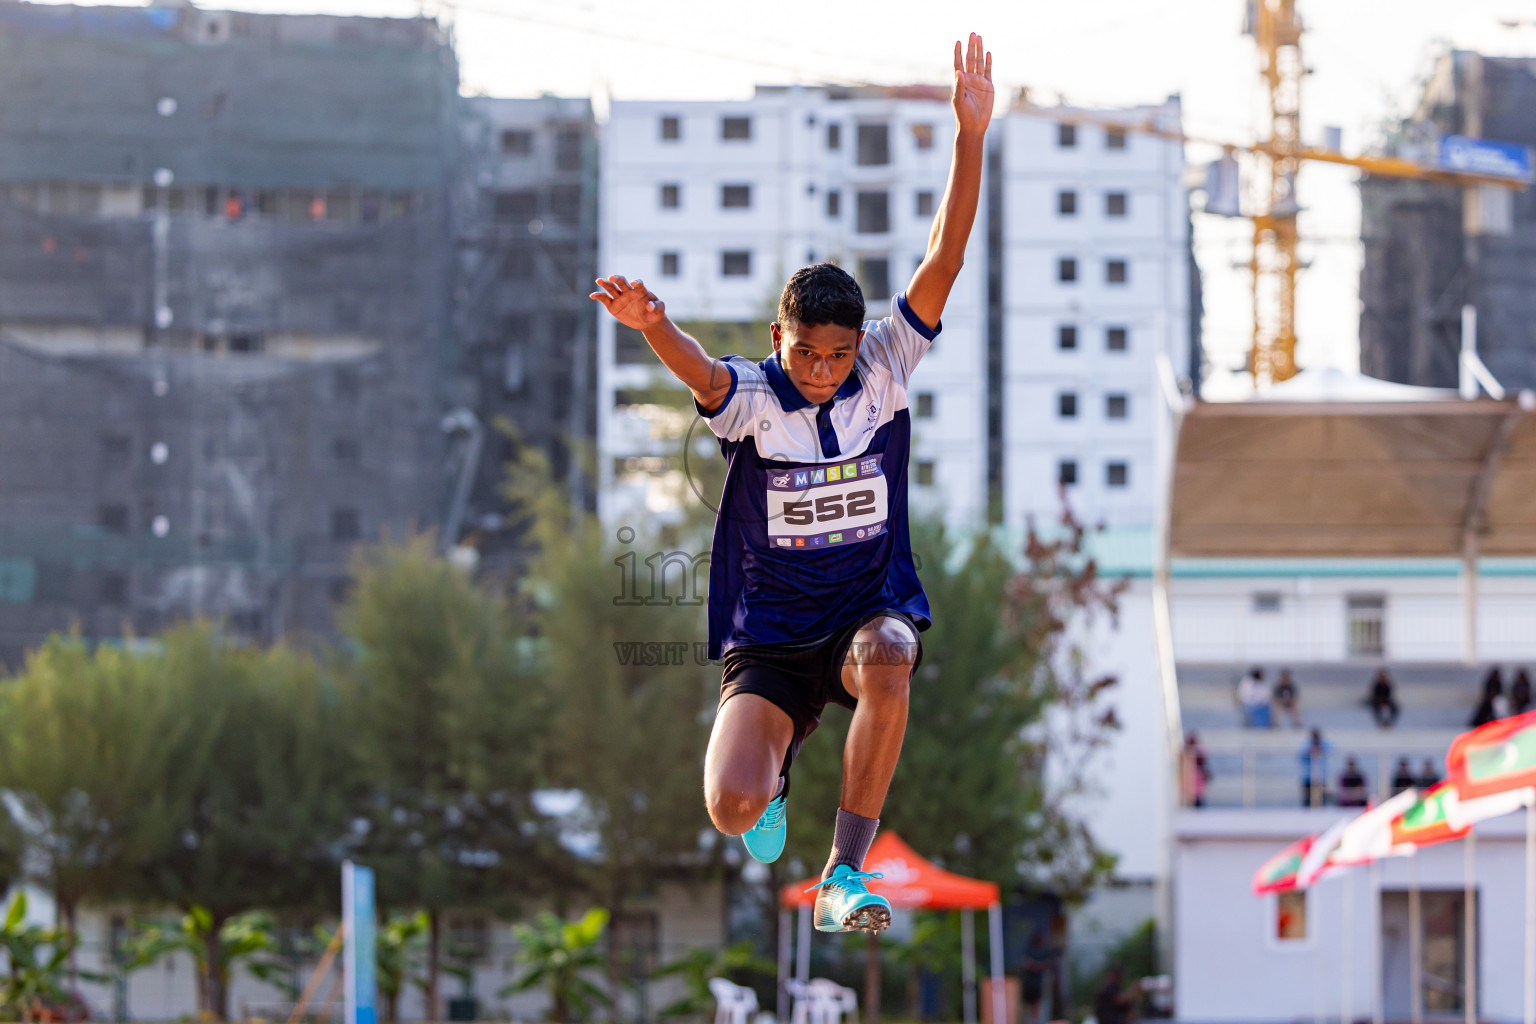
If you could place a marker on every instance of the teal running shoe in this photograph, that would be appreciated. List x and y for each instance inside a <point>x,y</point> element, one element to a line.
<point>765,840</point>
<point>845,903</point>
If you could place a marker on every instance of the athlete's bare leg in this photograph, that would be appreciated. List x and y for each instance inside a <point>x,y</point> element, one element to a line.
<point>876,671</point>
<point>741,768</point>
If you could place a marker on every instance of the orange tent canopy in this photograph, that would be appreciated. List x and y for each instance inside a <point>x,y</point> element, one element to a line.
<point>909,881</point>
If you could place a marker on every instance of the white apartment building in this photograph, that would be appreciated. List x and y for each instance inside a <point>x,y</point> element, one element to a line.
<point>715,203</point>
<point>1096,287</point>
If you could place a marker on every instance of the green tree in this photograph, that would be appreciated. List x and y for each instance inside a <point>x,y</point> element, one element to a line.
<point>556,956</point>
<point>36,979</point>
<point>97,750</point>
<point>268,815</point>
<point>397,954</point>
<point>244,940</point>
<point>631,720</point>
<point>448,733</point>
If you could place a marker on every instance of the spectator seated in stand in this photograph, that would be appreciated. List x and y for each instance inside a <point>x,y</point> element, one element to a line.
<point>1253,698</point>
<point>1429,775</point>
<point>1382,703</point>
<point>1194,772</point>
<point>1287,698</point>
<point>1314,769</point>
<point>1492,706</point>
<point>1520,693</point>
<point>1352,792</point>
<point>1402,776</point>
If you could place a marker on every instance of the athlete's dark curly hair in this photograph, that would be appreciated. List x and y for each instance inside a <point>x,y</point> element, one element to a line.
<point>823,293</point>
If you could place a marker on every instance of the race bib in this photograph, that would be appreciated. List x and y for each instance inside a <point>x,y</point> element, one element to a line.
<point>827,505</point>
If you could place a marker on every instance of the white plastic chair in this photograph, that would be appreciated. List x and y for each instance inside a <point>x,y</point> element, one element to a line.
<point>837,1003</point>
<point>807,1010</point>
<point>734,1004</point>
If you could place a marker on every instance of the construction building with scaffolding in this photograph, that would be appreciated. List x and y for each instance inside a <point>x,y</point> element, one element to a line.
<point>1430,248</point>
<point>243,312</point>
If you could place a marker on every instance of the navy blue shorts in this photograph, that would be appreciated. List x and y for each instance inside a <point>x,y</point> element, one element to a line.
<point>802,678</point>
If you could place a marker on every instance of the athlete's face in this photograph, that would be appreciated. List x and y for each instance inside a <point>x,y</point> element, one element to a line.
<point>817,357</point>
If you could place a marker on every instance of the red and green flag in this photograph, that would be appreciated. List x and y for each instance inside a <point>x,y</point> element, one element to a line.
<point>1428,821</point>
<point>1494,758</point>
<point>1278,874</point>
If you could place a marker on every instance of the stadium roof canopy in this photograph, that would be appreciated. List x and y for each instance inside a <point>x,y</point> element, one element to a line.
<point>1349,467</point>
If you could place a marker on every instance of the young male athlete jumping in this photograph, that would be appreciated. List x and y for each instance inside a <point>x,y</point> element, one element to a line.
<point>813,595</point>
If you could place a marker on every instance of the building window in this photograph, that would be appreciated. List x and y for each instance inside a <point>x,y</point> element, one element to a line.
<point>1117,339</point>
<point>875,277</point>
<point>735,197</point>
<point>1066,337</point>
<point>671,197</point>
<point>630,347</point>
<point>874,145</point>
<point>115,446</point>
<point>1116,271</point>
<point>671,128</point>
<point>922,134</point>
<point>735,129</point>
<point>1114,204</point>
<point>1366,625</point>
<point>1066,136</point>
<point>925,405</point>
<point>925,473</point>
<point>1266,602</point>
<point>1114,139</point>
<point>565,204</point>
<point>1291,915</point>
<point>1066,270</point>
<point>736,263</point>
<point>834,135</point>
<point>113,518</point>
<point>1116,407</point>
<point>1066,405</point>
<point>345,524</point>
<point>569,144</point>
<point>873,216</point>
<point>669,264</point>
<point>346,450</point>
<point>516,207</point>
<point>925,203</point>
<point>834,203</point>
<point>1116,474</point>
<point>517,142</point>
<point>1066,473</point>
<point>1066,203</point>
<point>114,588</point>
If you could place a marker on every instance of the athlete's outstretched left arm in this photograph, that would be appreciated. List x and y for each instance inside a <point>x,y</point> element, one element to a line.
<point>972,100</point>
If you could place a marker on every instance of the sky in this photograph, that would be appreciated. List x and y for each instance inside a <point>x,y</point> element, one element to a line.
<point>1368,59</point>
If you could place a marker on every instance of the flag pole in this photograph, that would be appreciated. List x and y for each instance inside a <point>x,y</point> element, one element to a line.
<point>1347,1010</point>
<point>1469,916</point>
<point>1373,917</point>
<point>1530,909</point>
<point>1415,944</point>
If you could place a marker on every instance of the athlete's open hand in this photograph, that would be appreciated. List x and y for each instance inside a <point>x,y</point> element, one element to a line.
<point>974,95</point>
<point>633,305</point>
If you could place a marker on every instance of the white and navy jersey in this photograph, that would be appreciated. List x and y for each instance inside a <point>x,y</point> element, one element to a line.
<point>812,527</point>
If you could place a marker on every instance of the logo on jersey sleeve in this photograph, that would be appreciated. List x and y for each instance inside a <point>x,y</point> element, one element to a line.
<point>838,505</point>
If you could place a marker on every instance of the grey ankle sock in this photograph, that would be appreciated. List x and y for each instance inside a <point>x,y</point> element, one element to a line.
<point>851,840</point>
<point>782,787</point>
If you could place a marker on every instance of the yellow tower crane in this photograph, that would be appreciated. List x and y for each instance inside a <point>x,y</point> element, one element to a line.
<point>1277,29</point>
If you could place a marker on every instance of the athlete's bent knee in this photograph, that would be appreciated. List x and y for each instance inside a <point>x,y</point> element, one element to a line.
<point>734,809</point>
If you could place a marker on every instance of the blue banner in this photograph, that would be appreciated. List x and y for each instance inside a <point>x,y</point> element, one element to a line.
<point>358,918</point>
<point>1483,156</point>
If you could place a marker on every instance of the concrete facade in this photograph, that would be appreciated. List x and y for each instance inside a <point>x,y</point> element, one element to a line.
<point>713,204</point>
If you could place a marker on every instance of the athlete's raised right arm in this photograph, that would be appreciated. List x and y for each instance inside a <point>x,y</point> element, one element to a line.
<point>634,305</point>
